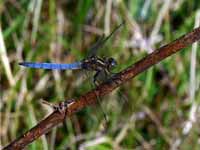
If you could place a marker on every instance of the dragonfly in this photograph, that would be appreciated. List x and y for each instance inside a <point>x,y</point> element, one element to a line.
<point>101,65</point>
<point>90,63</point>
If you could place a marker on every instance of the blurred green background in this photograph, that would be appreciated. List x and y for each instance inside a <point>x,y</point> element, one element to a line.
<point>159,109</point>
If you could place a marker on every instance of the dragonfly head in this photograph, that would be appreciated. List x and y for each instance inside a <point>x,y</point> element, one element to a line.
<point>111,62</point>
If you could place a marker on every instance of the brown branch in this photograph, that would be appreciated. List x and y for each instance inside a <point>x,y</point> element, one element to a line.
<point>90,98</point>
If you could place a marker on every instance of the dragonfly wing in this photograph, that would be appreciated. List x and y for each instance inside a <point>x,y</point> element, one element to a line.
<point>93,49</point>
<point>102,40</point>
<point>52,66</point>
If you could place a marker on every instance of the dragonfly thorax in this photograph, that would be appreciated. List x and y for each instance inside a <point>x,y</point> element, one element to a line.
<point>98,64</point>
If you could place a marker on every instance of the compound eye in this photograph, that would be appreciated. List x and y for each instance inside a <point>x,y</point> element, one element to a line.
<point>112,62</point>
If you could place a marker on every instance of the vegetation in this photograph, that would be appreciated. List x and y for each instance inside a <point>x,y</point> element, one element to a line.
<point>159,109</point>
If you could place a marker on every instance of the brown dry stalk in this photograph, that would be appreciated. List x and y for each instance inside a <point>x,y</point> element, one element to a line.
<point>90,98</point>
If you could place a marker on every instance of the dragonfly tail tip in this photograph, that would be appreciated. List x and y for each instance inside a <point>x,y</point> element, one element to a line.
<point>21,63</point>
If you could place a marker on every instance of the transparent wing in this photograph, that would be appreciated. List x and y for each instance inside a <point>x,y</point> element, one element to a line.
<point>52,66</point>
<point>102,40</point>
<point>93,49</point>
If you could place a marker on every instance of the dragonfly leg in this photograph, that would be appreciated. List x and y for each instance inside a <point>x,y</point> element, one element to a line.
<point>95,78</point>
<point>117,80</point>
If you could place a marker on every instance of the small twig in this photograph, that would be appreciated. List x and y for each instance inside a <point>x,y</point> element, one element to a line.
<point>90,98</point>
<point>5,60</point>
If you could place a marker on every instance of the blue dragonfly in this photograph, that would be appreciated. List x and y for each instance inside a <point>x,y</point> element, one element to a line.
<point>100,65</point>
<point>91,63</point>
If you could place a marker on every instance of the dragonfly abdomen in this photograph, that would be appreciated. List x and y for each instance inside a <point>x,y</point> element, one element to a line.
<point>52,66</point>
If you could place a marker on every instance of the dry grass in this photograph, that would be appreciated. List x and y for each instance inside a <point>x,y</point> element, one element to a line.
<point>164,101</point>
